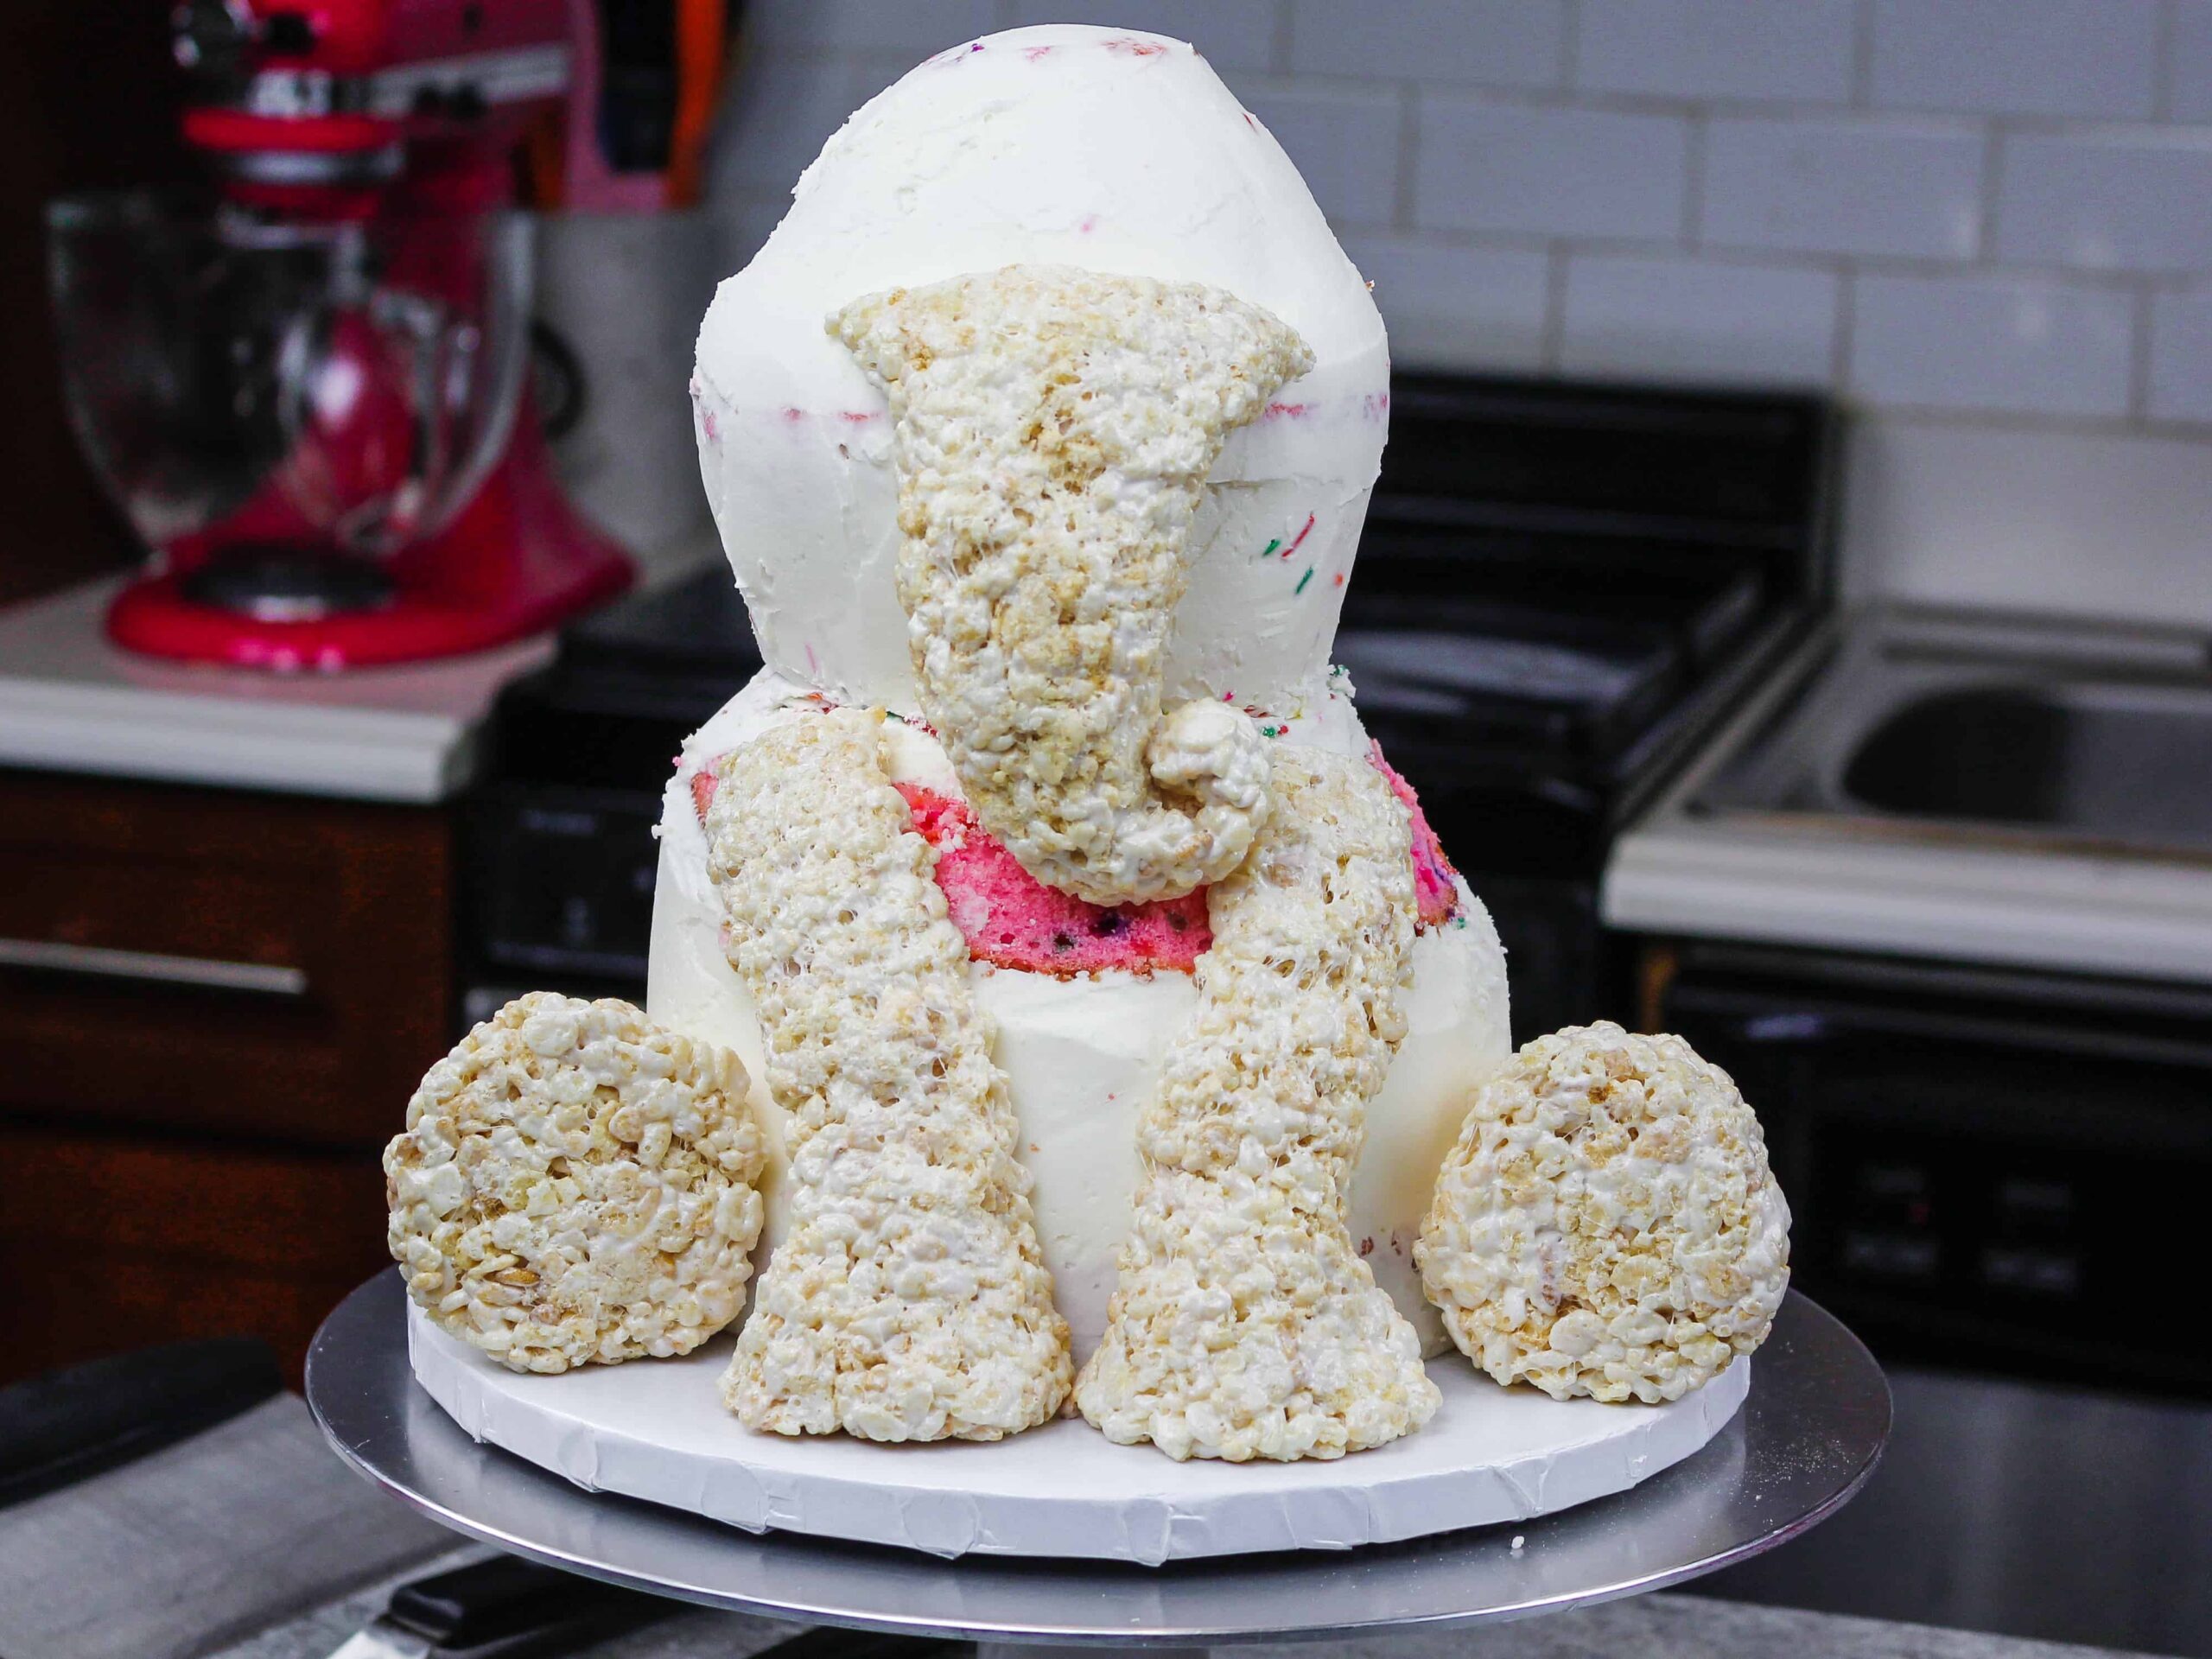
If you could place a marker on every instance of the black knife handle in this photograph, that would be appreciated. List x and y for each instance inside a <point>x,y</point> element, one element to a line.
<point>506,1597</point>
<point>828,1642</point>
<point>69,1425</point>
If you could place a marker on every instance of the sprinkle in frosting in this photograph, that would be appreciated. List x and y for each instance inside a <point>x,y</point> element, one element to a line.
<point>1245,1324</point>
<point>1053,433</point>
<point>908,1301</point>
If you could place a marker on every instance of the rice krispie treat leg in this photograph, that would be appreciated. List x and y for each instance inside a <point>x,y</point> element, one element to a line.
<point>1607,1225</point>
<point>1053,432</point>
<point>909,1300</point>
<point>575,1184</point>
<point>1244,1323</point>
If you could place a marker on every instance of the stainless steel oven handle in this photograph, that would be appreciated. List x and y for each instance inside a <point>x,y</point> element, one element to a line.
<point>152,967</point>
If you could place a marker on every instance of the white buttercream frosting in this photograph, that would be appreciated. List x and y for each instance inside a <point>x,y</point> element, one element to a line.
<point>1099,149</point>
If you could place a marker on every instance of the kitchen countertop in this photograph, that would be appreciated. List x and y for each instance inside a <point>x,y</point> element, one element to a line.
<point>1668,1626</point>
<point>71,702</point>
<point>318,1521</point>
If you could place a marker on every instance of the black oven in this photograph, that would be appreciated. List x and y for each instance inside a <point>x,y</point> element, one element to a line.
<point>2000,1180</point>
<point>1987,1167</point>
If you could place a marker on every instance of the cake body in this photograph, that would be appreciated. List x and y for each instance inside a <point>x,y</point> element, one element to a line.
<point>1082,1053</point>
<point>1026,163</point>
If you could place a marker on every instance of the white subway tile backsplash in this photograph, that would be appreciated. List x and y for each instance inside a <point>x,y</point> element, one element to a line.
<point>2180,356</point>
<point>1456,307</point>
<point>783,110</point>
<point>1716,48</point>
<point>1551,172</point>
<point>1343,140</point>
<point>1991,343</point>
<point>1670,318</point>
<point>1489,42</point>
<point>1233,35</point>
<point>1713,190</point>
<point>1843,186</point>
<point>742,225</point>
<point>2109,201</point>
<point>917,27</point>
<point>2017,57</point>
<point>2188,62</point>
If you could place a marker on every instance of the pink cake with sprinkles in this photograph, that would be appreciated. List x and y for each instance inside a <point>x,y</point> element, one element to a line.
<point>1436,884</point>
<point>1011,920</point>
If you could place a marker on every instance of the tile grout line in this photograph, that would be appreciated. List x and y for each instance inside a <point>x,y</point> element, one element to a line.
<point>1552,348</point>
<point>1862,55</point>
<point>1405,202</point>
<point>2162,61</point>
<point>1846,322</point>
<point>1993,171</point>
<point>1695,147</point>
<point>1824,261</point>
<point>2141,322</point>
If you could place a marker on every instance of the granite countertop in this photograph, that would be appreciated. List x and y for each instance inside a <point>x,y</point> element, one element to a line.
<point>71,702</point>
<point>251,1540</point>
<point>1669,1626</point>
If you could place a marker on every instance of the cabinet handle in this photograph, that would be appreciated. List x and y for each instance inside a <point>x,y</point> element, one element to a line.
<point>202,973</point>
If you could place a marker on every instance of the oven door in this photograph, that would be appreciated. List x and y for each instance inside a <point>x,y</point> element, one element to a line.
<point>1999,1181</point>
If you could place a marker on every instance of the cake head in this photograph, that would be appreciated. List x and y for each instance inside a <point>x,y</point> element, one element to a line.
<point>1095,148</point>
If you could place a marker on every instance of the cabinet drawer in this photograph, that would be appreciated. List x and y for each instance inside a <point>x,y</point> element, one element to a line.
<point>219,961</point>
<point>110,1243</point>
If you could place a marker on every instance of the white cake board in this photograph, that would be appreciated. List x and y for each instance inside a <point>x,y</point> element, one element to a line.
<point>657,1430</point>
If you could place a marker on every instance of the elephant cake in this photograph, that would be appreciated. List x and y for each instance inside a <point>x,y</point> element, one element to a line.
<point>1103,1002</point>
<point>1068,488</point>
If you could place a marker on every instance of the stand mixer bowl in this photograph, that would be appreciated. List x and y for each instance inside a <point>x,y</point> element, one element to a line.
<point>282,409</point>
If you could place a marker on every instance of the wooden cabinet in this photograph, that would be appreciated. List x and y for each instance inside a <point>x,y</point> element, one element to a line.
<point>212,1005</point>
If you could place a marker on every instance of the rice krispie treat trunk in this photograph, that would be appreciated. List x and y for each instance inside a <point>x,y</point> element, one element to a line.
<point>576,1185</point>
<point>1053,430</point>
<point>909,1300</point>
<point>1245,1323</point>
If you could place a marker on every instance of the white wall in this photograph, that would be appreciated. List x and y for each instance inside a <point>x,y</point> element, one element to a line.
<point>1986,224</point>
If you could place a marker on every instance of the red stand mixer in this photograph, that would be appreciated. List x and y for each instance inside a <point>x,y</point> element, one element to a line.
<point>307,390</point>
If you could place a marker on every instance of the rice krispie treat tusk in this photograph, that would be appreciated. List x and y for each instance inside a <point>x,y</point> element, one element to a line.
<point>575,1184</point>
<point>1053,430</point>
<point>908,1301</point>
<point>1607,1225</point>
<point>1244,1323</point>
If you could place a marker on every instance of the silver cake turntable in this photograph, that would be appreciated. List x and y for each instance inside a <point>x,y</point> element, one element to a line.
<point>1803,1443</point>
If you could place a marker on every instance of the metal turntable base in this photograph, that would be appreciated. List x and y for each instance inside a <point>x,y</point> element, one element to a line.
<point>1805,1440</point>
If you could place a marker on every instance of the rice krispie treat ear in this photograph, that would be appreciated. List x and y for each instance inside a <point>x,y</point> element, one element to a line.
<point>1607,1225</point>
<point>575,1184</point>
<point>1244,1324</point>
<point>909,1300</point>
<point>1053,432</point>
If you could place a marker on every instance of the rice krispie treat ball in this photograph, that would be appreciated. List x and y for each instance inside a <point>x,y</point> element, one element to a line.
<point>1607,1225</point>
<point>575,1184</point>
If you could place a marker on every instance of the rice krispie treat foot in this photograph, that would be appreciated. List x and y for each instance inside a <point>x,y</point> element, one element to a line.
<point>1053,432</point>
<point>1243,1323</point>
<point>575,1185</point>
<point>1607,1225</point>
<point>909,1300</point>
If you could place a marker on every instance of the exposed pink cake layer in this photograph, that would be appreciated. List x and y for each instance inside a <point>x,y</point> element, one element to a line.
<point>1436,889</point>
<point>1014,920</point>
